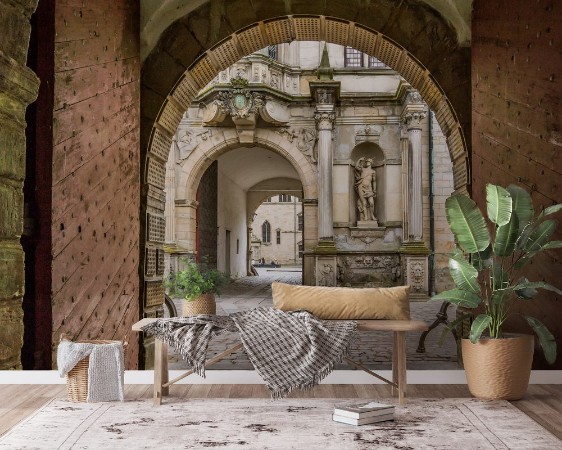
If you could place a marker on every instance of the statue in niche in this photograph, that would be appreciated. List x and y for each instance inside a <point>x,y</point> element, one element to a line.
<point>366,187</point>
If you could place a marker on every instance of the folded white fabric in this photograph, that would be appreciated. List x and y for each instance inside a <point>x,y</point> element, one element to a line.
<point>105,369</point>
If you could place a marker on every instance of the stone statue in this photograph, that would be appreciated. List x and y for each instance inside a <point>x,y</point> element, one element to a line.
<point>366,187</point>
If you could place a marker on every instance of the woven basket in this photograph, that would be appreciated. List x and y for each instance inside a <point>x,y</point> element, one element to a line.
<point>204,304</point>
<point>77,378</point>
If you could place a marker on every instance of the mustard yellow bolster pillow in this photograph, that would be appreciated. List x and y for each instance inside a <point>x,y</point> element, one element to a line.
<point>342,303</point>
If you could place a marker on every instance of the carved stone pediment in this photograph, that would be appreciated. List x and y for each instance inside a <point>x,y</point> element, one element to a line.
<point>367,134</point>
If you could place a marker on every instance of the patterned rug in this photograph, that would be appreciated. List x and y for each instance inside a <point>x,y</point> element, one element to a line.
<point>283,424</point>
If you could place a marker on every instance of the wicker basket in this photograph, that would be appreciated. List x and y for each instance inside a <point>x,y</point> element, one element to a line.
<point>204,304</point>
<point>77,378</point>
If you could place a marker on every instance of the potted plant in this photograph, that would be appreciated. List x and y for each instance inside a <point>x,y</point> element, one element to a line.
<point>487,268</point>
<point>197,283</point>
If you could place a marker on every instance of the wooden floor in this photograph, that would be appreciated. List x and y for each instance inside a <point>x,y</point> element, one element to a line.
<point>543,403</point>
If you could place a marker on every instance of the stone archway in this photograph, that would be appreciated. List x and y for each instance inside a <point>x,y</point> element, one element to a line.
<point>224,140</point>
<point>195,48</point>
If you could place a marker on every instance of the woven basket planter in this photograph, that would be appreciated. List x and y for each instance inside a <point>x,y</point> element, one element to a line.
<point>204,304</point>
<point>498,368</point>
<point>77,378</point>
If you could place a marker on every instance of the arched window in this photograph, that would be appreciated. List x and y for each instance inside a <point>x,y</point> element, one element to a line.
<point>266,232</point>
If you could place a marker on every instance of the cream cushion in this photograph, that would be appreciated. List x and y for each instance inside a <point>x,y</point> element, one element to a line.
<point>341,303</point>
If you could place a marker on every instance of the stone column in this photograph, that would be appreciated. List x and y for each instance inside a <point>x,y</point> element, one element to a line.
<point>413,115</point>
<point>405,153</point>
<point>325,124</point>
<point>414,251</point>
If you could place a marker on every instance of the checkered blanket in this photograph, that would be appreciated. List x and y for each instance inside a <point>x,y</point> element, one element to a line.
<point>190,336</point>
<point>288,350</point>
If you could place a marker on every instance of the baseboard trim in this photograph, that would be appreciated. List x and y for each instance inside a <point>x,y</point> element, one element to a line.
<point>251,377</point>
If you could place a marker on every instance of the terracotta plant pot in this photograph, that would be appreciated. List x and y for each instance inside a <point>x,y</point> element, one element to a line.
<point>204,304</point>
<point>498,368</point>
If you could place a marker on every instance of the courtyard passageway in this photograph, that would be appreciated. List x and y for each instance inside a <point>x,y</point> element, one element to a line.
<point>372,349</point>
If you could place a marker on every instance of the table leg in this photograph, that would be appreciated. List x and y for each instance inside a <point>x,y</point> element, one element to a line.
<point>160,348</point>
<point>165,371</point>
<point>401,369</point>
<point>394,362</point>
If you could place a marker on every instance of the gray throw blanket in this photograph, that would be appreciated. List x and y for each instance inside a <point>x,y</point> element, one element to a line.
<point>288,350</point>
<point>105,368</point>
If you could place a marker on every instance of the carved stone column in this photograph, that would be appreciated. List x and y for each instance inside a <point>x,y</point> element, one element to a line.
<point>413,120</point>
<point>405,152</point>
<point>415,253</point>
<point>325,124</point>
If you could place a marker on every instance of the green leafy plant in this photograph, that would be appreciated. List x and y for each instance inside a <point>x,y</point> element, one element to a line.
<point>194,280</point>
<point>488,262</point>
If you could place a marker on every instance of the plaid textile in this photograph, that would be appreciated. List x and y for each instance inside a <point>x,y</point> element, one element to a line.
<point>190,336</point>
<point>292,350</point>
<point>288,350</point>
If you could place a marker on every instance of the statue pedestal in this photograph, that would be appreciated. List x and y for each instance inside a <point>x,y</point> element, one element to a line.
<point>369,224</point>
<point>416,275</point>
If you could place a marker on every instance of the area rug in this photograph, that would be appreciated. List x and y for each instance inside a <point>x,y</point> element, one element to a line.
<point>283,424</point>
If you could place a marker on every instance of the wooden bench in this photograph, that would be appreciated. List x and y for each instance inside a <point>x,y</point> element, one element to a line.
<point>399,328</point>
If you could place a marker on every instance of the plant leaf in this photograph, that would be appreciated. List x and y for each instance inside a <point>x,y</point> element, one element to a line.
<point>522,205</point>
<point>506,236</point>
<point>525,293</point>
<point>478,326</point>
<point>550,210</point>
<point>467,223</point>
<point>499,296</point>
<point>551,245</point>
<point>524,260</point>
<point>459,298</point>
<point>498,202</point>
<point>540,236</point>
<point>535,285</point>
<point>482,260</point>
<point>450,327</point>
<point>546,339</point>
<point>464,275</point>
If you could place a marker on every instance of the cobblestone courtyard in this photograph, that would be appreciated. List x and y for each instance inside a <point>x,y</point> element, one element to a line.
<point>373,349</point>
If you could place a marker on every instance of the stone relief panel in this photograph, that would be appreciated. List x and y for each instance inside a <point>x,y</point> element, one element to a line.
<point>417,275</point>
<point>326,268</point>
<point>304,138</point>
<point>187,140</point>
<point>369,270</point>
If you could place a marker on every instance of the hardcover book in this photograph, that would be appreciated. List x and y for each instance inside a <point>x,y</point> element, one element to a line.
<point>363,421</point>
<point>363,409</point>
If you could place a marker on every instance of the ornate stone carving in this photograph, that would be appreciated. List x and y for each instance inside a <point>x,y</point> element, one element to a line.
<point>417,276</point>
<point>239,102</point>
<point>366,188</point>
<point>413,119</point>
<point>324,96</point>
<point>367,134</point>
<point>414,97</point>
<point>187,140</point>
<point>304,138</point>
<point>326,272</point>
<point>274,80</point>
<point>372,270</point>
<point>324,120</point>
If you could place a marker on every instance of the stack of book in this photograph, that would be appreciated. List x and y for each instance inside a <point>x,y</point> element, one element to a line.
<point>363,413</point>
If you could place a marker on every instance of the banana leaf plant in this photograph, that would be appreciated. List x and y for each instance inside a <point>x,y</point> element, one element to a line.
<point>488,264</point>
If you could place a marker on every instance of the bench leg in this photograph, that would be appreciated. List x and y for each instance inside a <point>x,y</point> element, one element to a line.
<point>399,365</point>
<point>160,370</point>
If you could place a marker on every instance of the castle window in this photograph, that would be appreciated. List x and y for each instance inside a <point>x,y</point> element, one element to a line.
<point>266,232</point>
<point>272,51</point>
<point>285,198</point>
<point>353,58</point>
<point>278,236</point>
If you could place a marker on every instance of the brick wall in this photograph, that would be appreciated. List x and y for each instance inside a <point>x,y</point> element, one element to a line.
<point>516,121</point>
<point>95,171</point>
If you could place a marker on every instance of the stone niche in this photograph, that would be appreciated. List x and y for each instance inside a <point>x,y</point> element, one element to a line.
<point>369,269</point>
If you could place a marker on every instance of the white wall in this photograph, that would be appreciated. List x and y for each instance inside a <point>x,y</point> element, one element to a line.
<point>231,215</point>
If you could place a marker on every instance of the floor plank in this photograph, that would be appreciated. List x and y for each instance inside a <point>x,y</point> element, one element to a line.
<point>543,403</point>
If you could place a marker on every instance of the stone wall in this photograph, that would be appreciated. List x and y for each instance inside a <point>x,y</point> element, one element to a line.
<point>207,215</point>
<point>517,124</point>
<point>18,88</point>
<point>95,172</point>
